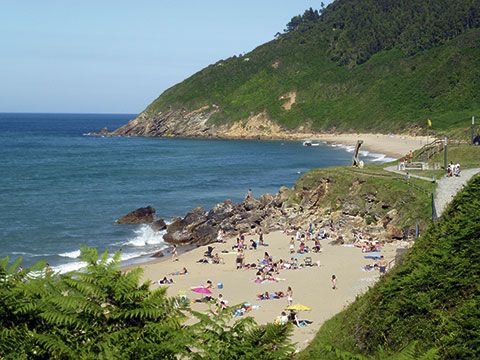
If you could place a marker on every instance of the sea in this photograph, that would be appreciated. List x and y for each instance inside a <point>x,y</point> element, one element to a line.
<point>61,188</point>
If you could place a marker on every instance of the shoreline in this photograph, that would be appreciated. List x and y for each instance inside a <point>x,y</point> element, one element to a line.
<point>391,145</point>
<point>374,144</point>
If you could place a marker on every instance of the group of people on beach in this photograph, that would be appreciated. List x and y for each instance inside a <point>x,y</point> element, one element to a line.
<point>302,243</point>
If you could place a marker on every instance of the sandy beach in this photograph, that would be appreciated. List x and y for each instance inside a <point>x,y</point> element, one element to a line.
<point>311,285</point>
<point>394,145</point>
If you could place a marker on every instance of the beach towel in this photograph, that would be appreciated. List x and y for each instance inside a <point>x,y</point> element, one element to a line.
<point>373,256</point>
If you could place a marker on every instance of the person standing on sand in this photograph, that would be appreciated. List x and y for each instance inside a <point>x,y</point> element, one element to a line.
<point>289,296</point>
<point>334,282</point>
<point>260,238</point>
<point>382,265</point>
<point>239,260</point>
<point>174,253</point>
<point>220,236</point>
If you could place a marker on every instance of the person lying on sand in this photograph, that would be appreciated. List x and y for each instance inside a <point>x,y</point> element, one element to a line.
<point>204,260</point>
<point>184,271</point>
<point>271,296</point>
<point>165,281</point>
<point>205,299</point>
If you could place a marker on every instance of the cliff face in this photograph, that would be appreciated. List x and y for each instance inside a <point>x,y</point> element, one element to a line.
<point>193,124</point>
<point>170,123</point>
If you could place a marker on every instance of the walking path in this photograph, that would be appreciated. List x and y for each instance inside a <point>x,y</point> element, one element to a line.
<point>394,169</point>
<point>447,187</point>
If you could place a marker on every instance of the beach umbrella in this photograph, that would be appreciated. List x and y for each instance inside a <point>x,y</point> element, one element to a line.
<point>299,307</point>
<point>201,290</point>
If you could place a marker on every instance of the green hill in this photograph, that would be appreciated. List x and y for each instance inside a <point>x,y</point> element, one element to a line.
<point>370,65</point>
<point>430,301</point>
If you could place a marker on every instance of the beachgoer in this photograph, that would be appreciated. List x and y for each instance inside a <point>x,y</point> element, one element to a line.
<point>334,282</point>
<point>292,317</point>
<point>292,246</point>
<point>209,284</point>
<point>184,271</point>
<point>382,265</point>
<point>220,236</point>
<point>217,259</point>
<point>239,260</point>
<point>289,295</point>
<point>283,318</point>
<point>298,235</point>
<point>253,244</point>
<point>221,302</point>
<point>301,248</point>
<point>457,170</point>
<point>48,270</point>
<point>260,238</point>
<point>174,253</point>
<point>249,195</point>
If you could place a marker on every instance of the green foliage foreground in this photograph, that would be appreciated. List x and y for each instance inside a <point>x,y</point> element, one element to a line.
<point>105,313</point>
<point>426,306</point>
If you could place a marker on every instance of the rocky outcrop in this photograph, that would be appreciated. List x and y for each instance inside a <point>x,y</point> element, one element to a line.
<point>159,225</point>
<point>356,215</point>
<point>143,215</point>
<point>197,124</point>
<point>170,124</point>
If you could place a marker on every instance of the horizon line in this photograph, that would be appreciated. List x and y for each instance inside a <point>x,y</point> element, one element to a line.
<point>68,113</point>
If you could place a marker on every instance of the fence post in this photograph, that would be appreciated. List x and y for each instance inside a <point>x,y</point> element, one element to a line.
<point>473,130</point>
<point>445,156</point>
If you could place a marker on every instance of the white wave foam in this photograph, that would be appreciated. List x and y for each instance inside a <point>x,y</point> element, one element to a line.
<point>71,254</point>
<point>72,266</point>
<point>376,156</point>
<point>382,158</point>
<point>146,236</point>
<point>78,265</point>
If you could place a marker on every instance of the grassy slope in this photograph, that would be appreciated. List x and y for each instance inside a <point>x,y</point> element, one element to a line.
<point>390,92</point>
<point>354,187</point>
<point>432,297</point>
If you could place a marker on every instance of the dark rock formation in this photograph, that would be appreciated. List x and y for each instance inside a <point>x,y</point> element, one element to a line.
<point>159,254</point>
<point>159,225</point>
<point>143,215</point>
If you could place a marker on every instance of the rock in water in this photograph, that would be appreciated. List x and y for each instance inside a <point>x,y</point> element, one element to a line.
<point>159,225</point>
<point>143,215</point>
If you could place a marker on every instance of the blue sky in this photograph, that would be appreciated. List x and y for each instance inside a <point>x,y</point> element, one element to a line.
<point>117,56</point>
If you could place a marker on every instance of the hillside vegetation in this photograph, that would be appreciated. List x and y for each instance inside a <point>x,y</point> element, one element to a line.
<point>428,304</point>
<point>370,65</point>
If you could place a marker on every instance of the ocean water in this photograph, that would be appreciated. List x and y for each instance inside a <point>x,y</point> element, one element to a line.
<point>60,188</point>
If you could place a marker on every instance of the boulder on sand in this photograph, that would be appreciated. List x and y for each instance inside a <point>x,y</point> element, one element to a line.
<point>143,215</point>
